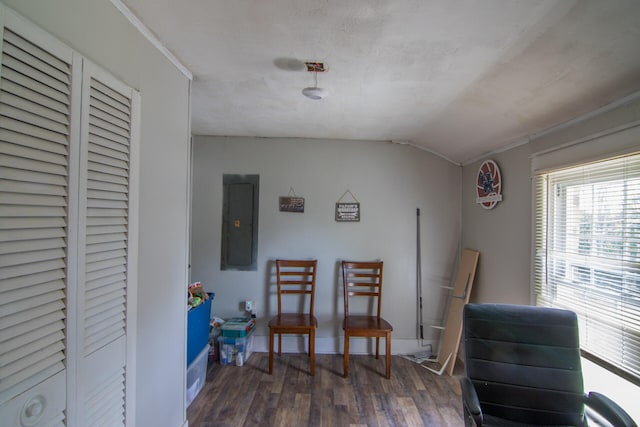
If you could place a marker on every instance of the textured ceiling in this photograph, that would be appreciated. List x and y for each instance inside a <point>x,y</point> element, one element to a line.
<point>457,77</point>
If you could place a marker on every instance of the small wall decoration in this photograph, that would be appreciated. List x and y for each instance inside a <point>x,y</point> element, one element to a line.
<point>291,202</point>
<point>347,212</point>
<point>489,185</point>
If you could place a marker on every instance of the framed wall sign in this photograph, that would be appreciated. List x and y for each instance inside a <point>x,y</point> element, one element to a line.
<point>291,204</point>
<point>347,211</point>
<point>488,185</point>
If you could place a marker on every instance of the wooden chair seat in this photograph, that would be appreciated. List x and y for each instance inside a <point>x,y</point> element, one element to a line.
<point>364,326</point>
<point>296,322</point>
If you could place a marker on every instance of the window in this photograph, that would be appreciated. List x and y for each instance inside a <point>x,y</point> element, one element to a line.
<point>587,254</point>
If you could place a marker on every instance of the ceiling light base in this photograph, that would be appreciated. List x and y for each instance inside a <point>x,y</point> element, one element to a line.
<point>314,93</point>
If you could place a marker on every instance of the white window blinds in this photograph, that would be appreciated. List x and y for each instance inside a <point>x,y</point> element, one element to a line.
<point>587,254</point>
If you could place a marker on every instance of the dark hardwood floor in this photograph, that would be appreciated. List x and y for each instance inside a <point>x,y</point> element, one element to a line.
<point>249,396</point>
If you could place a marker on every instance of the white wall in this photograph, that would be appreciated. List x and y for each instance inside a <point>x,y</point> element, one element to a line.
<point>502,234</point>
<point>97,30</point>
<point>390,182</point>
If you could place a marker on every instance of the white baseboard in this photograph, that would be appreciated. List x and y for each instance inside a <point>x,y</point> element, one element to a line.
<point>334,345</point>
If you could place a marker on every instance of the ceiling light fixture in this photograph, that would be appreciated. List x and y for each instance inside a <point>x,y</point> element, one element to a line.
<point>314,92</point>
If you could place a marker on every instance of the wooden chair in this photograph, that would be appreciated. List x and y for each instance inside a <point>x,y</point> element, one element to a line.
<point>295,277</point>
<point>364,279</point>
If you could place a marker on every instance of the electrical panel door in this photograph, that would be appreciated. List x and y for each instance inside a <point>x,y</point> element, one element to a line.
<point>240,222</point>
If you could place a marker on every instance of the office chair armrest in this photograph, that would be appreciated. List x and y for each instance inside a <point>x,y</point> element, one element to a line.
<point>609,410</point>
<point>470,400</point>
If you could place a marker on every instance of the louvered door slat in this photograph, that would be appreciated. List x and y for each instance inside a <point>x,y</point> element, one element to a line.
<point>104,107</point>
<point>118,229</point>
<point>35,97</point>
<point>49,359</point>
<point>109,152</point>
<point>104,139</point>
<point>22,246</point>
<point>21,223</point>
<point>119,120</point>
<point>29,258</point>
<point>11,186</point>
<point>31,141</point>
<point>14,51</point>
<point>107,195</point>
<point>105,177</point>
<point>20,175</point>
<point>29,165</point>
<point>25,350</point>
<point>106,281</point>
<point>118,255</point>
<point>102,92</point>
<point>36,300</point>
<point>28,269</point>
<point>20,368</point>
<point>12,112</point>
<point>25,325</point>
<point>108,160</point>
<point>105,402</point>
<point>21,320</point>
<point>32,199</point>
<point>31,211</point>
<point>35,75</point>
<point>37,109</point>
<point>32,49</point>
<point>35,335</point>
<point>23,293</point>
<point>106,186</point>
<point>26,152</point>
<point>27,129</point>
<point>13,235</point>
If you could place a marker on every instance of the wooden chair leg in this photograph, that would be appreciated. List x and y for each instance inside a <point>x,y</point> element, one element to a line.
<point>346,355</point>
<point>279,344</point>
<point>312,351</point>
<point>270,351</point>
<point>388,355</point>
<point>377,347</point>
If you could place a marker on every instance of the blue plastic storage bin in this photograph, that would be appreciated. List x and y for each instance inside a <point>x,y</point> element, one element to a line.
<point>198,319</point>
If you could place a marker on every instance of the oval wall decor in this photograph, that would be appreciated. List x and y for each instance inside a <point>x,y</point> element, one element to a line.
<point>489,185</point>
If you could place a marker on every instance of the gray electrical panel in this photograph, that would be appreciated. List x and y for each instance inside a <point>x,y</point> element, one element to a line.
<point>240,222</point>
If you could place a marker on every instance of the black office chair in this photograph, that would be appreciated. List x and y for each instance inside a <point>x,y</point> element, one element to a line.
<point>523,368</point>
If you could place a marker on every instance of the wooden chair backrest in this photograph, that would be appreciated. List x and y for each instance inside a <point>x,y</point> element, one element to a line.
<point>362,279</point>
<point>297,277</point>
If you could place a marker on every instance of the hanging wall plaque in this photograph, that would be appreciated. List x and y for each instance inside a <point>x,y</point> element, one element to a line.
<point>489,185</point>
<point>291,202</point>
<point>347,211</point>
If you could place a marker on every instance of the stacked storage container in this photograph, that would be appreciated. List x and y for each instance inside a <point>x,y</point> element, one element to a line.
<point>198,319</point>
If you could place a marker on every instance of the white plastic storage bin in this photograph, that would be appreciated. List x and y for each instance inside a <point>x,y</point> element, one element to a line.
<point>235,350</point>
<point>197,374</point>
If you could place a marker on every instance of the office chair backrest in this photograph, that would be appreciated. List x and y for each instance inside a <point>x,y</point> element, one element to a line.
<point>525,363</point>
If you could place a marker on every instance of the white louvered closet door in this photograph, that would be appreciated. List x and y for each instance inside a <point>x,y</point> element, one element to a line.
<point>35,165</point>
<point>68,133</point>
<point>105,250</point>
